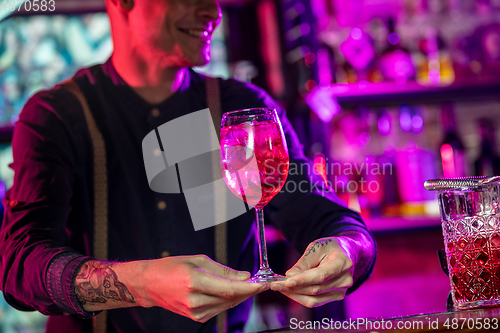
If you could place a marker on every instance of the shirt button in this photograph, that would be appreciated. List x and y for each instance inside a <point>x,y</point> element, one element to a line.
<point>155,113</point>
<point>162,205</point>
<point>157,152</point>
<point>165,254</point>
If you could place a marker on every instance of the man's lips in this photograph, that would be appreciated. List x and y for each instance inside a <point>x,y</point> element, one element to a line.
<point>203,35</point>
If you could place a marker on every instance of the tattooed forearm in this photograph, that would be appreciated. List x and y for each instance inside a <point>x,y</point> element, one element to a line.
<point>98,283</point>
<point>317,244</point>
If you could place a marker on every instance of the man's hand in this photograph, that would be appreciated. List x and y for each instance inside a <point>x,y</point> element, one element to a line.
<point>323,273</point>
<point>193,286</point>
<point>198,287</point>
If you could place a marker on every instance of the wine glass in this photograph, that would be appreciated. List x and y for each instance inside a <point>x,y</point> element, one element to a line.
<point>254,164</point>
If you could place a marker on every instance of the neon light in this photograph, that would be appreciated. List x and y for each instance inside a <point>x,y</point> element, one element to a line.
<point>320,167</point>
<point>448,160</point>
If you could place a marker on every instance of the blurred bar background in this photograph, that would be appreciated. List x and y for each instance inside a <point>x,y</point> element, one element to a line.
<point>388,93</point>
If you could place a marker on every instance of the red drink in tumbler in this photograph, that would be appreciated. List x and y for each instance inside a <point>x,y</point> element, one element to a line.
<point>474,265</point>
<point>254,161</point>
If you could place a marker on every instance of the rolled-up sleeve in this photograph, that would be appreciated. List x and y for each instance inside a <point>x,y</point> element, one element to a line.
<point>37,267</point>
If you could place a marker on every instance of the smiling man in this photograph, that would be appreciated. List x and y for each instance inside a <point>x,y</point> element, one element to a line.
<point>46,261</point>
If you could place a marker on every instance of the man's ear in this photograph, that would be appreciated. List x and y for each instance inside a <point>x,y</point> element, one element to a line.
<point>125,5</point>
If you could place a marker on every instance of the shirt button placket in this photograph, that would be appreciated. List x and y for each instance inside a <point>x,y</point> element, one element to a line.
<point>162,205</point>
<point>155,113</point>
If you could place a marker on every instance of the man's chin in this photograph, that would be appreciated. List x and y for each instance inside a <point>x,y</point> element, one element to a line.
<point>202,60</point>
<point>198,58</point>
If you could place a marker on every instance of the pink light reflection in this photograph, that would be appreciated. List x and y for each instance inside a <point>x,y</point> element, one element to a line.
<point>356,33</point>
<point>393,38</point>
<point>323,104</point>
<point>434,76</point>
<point>448,161</point>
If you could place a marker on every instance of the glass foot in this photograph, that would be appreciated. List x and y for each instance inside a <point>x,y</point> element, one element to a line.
<point>265,276</point>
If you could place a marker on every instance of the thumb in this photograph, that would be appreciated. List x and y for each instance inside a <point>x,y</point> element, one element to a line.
<point>224,271</point>
<point>232,274</point>
<point>310,259</point>
<point>302,265</point>
<point>242,275</point>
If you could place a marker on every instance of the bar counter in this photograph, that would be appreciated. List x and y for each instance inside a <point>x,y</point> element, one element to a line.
<point>475,320</point>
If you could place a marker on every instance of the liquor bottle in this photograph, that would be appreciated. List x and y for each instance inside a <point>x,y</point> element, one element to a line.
<point>453,157</point>
<point>488,162</point>
<point>434,65</point>
<point>395,62</point>
<point>415,164</point>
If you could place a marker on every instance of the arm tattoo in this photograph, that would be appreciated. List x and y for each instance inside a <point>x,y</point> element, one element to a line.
<point>317,244</point>
<point>98,283</point>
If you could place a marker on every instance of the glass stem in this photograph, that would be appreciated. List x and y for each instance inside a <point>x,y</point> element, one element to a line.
<point>261,238</point>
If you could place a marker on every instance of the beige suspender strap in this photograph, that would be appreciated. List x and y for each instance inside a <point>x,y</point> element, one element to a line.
<point>214,104</point>
<point>100,191</point>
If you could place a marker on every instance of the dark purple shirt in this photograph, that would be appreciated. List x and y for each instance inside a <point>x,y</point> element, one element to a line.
<point>47,229</point>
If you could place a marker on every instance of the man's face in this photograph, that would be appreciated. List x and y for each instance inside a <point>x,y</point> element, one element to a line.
<point>177,31</point>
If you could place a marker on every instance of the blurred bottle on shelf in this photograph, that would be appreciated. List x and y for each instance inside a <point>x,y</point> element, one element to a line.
<point>488,162</point>
<point>414,165</point>
<point>372,194</point>
<point>434,65</point>
<point>453,157</point>
<point>395,62</point>
<point>386,125</point>
<point>359,53</point>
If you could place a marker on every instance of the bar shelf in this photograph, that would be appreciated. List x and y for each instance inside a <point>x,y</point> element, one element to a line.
<point>391,93</point>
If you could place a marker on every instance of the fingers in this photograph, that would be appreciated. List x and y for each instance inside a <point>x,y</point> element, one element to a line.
<point>313,256</point>
<point>303,264</point>
<point>334,265</point>
<point>343,281</point>
<point>206,313</point>
<point>314,301</point>
<point>210,284</point>
<point>314,276</point>
<point>222,271</point>
<point>201,302</point>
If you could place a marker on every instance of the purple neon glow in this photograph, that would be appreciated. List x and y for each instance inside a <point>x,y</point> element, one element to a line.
<point>389,151</point>
<point>410,146</point>
<point>364,138</point>
<point>305,29</point>
<point>370,159</point>
<point>2,188</point>
<point>342,180</point>
<point>384,125</point>
<point>323,104</point>
<point>324,68</point>
<point>356,33</point>
<point>434,76</point>
<point>393,38</point>
<point>363,201</point>
<point>297,10</point>
<point>417,124</point>
<point>325,84</point>
<point>304,50</point>
<point>13,119</point>
<point>405,120</point>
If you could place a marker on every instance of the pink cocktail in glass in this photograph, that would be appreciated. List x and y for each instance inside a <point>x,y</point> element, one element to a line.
<point>254,164</point>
